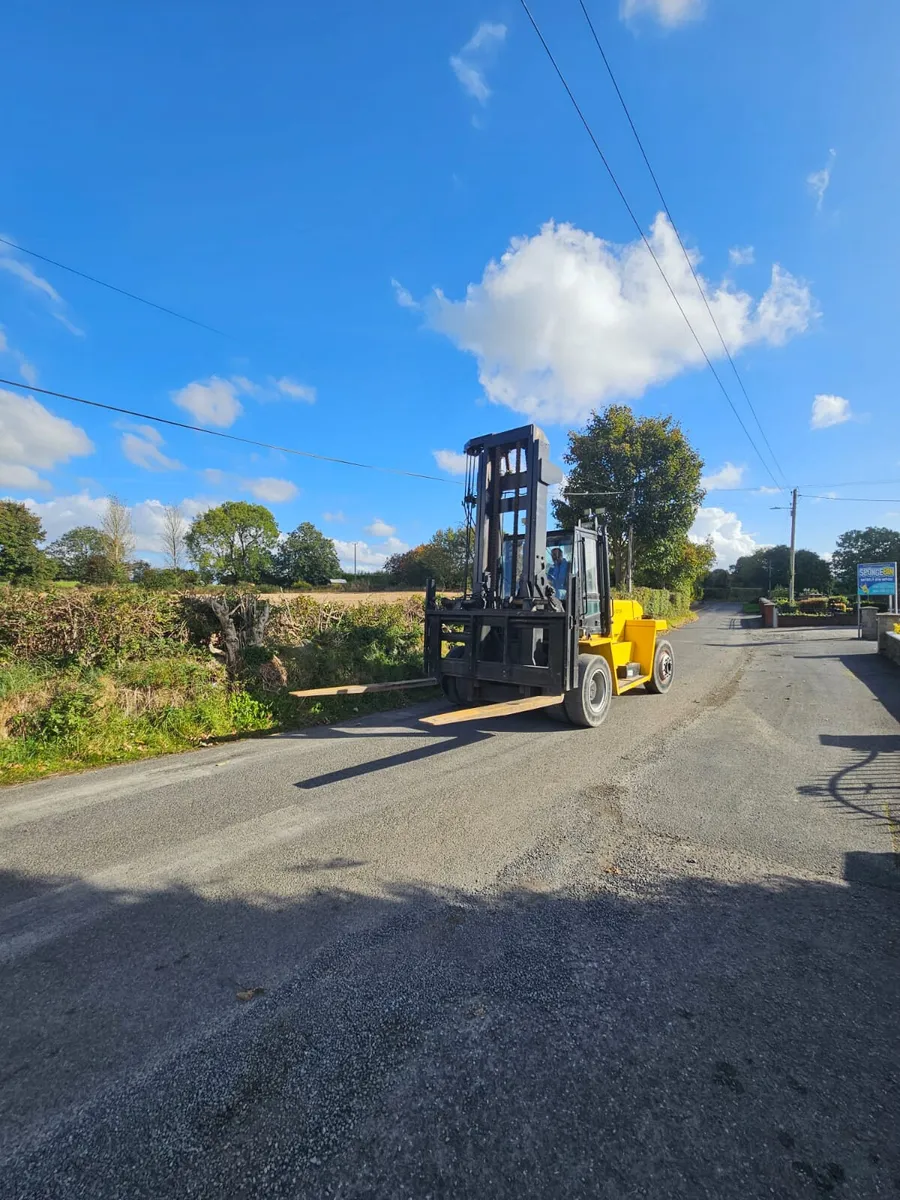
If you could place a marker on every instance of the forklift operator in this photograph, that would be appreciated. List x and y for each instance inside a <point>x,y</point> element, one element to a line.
<point>558,572</point>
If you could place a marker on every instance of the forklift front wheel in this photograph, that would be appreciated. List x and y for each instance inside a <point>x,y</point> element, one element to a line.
<point>663,669</point>
<point>588,703</point>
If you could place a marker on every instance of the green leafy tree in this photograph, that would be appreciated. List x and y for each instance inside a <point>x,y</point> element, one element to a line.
<point>654,475</point>
<point>811,570</point>
<point>694,562</point>
<point>306,556</point>
<point>443,559</point>
<point>21,559</point>
<point>877,543</point>
<point>72,551</point>
<point>233,542</point>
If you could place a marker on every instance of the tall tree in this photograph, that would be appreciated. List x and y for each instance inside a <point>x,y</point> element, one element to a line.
<point>306,556</point>
<point>234,542</point>
<point>773,563</point>
<point>443,559</point>
<point>74,549</point>
<point>21,559</point>
<point>694,562</point>
<point>650,475</point>
<point>877,543</point>
<point>174,529</point>
<point>119,534</point>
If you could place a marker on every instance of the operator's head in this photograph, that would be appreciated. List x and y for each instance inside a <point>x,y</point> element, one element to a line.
<point>556,554</point>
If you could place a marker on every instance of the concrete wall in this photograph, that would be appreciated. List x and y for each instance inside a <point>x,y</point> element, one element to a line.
<point>888,641</point>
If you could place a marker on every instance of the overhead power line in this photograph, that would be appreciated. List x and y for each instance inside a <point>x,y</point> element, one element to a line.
<point>644,237</point>
<point>112,287</point>
<point>852,499</point>
<point>231,437</point>
<point>684,251</point>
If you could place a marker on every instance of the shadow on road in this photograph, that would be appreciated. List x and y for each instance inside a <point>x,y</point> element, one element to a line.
<point>867,784</point>
<point>679,1038</point>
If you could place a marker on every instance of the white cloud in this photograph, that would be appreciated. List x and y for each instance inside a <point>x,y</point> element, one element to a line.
<point>13,475</point>
<point>213,402</point>
<point>272,491</point>
<point>24,272</point>
<point>380,528</point>
<point>728,476</point>
<point>741,256</point>
<point>63,513</point>
<point>296,391</point>
<point>402,296</point>
<point>669,13</point>
<point>368,558</point>
<point>767,491</point>
<point>729,537</point>
<point>213,475</point>
<point>566,321</point>
<point>470,63</point>
<point>31,436</point>
<point>141,444</point>
<point>27,370</point>
<point>333,517</point>
<point>451,461</point>
<point>243,384</point>
<point>829,410</point>
<point>818,181</point>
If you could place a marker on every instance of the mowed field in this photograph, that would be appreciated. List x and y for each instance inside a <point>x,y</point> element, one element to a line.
<point>347,598</point>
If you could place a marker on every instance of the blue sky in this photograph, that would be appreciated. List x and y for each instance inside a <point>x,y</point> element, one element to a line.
<point>330,186</point>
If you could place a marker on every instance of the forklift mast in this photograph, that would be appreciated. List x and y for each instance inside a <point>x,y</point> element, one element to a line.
<point>512,474</point>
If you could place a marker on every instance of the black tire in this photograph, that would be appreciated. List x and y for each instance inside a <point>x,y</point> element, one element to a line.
<point>663,669</point>
<point>588,703</point>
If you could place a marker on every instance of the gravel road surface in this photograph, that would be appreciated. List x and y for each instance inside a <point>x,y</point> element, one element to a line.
<point>508,959</point>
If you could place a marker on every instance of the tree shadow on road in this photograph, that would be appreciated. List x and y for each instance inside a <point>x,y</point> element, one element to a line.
<point>640,1034</point>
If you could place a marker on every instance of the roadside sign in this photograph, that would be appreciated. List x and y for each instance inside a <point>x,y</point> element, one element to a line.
<point>876,579</point>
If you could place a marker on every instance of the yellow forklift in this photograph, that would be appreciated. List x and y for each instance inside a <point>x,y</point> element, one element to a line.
<point>539,627</point>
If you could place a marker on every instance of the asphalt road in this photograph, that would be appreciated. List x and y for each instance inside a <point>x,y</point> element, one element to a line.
<point>658,959</point>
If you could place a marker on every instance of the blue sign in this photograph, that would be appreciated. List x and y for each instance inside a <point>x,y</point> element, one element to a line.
<point>876,579</point>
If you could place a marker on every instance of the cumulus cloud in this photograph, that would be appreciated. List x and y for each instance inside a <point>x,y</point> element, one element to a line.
<point>818,181</point>
<point>213,401</point>
<point>451,461</point>
<point>729,537</point>
<point>62,513</point>
<point>142,445</point>
<point>403,297</point>
<point>741,256</point>
<point>23,271</point>
<point>368,558</point>
<point>669,13</point>
<point>270,490</point>
<point>32,436</point>
<point>829,410</point>
<point>380,528</point>
<point>566,321</point>
<point>728,476</point>
<point>469,65</point>
<point>334,517</point>
<point>20,479</point>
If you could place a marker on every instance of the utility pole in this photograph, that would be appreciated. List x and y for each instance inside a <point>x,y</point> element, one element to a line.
<point>629,582</point>
<point>793,541</point>
<point>354,560</point>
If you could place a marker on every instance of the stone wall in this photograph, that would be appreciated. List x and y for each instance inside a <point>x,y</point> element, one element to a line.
<point>888,641</point>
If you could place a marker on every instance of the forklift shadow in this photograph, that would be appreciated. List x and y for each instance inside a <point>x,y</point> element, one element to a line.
<point>468,735</point>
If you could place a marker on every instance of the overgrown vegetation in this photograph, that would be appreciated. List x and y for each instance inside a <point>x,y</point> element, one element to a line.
<point>95,676</point>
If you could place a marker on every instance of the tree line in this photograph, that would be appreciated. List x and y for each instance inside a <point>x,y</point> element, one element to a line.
<point>640,473</point>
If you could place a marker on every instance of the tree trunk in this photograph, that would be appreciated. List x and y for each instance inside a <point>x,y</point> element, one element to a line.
<point>243,625</point>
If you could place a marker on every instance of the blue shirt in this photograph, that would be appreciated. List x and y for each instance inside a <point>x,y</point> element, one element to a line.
<point>558,575</point>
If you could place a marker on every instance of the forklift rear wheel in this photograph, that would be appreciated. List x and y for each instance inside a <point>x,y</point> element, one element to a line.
<point>663,669</point>
<point>588,702</point>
